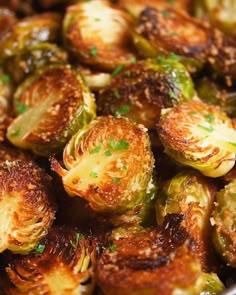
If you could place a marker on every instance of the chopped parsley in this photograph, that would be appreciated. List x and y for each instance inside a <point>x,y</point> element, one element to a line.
<point>133,59</point>
<point>128,73</point>
<point>117,71</point>
<point>210,118</point>
<point>93,51</point>
<point>173,56</point>
<point>208,129</point>
<point>5,79</point>
<point>173,34</point>
<point>116,93</point>
<point>79,236</point>
<point>124,168</point>
<point>16,133</point>
<point>40,248</point>
<point>93,174</point>
<point>108,153</point>
<point>21,107</point>
<point>120,145</point>
<point>192,113</point>
<point>96,150</point>
<point>124,109</point>
<point>115,179</point>
<point>172,94</point>
<point>234,195</point>
<point>112,247</point>
<point>165,12</point>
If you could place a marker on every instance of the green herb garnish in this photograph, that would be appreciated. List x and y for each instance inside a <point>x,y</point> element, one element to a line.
<point>93,174</point>
<point>165,12</point>
<point>96,150</point>
<point>115,179</point>
<point>108,153</point>
<point>116,93</point>
<point>133,59</point>
<point>40,248</point>
<point>93,51</point>
<point>234,195</point>
<point>192,113</point>
<point>112,247</point>
<point>210,118</point>
<point>124,168</point>
<point>5,79</point>
<point>16,133</point>
<point>128,73</point>
<point>124,109</point>
<point>232,143</point>
<point>208,129</point>
<point>174,56</point>
<point>120,145</point>
<point>21,107</point>
<point>117,71</point>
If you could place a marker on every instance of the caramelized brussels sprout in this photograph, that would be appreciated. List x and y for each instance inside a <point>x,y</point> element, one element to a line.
<point>222,57</point>
<point>224,235</point>
<point>51,105</point>
<point>191,194</point>
<point>154,262</point>
<point>135,7</point>
<point>216,93</point>
<point>7,21</point>
<point>26,205</point>
<point>30,31</point>
<point>109,163</point>
<point>10,153</point>
<point>141,90</point>
<point>221,14</point>
<point>97,33</point>
<point>199,135</point>
<point>62,263</point>
<point>26,62</point>
<point>163,31</point>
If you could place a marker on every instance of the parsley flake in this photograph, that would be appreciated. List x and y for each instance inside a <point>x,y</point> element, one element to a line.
<point>120,145</point>
<point>40,248</point>
<point>16,133</point>
<point>165,12</point>
<point>128,73</point>
<point>116,93</point>
<point>124,168</point>
<point>93,51</point>
<point>117,71</point>
<point>21,107</point>
<point>112,248</point>
<point>96,150</point>
<point>93,174</point>
<point>210,118</point>
<point>123,110</point>
<point>115,179</point>
<point>133,59</point>
<point>208,129</point>
<point>108,153</point>
<point>5,79</point>
<point>174,56</point>
<point>234,195</point>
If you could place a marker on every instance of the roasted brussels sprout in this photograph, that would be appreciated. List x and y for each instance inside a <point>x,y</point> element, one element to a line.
<point>10,153</point>
<point>159,32</point>
<point>51,106</point>
<point>26,62</point>
<point>62,263</point>
<point>220,13</point>
<point>30,31</point>
<point>26,205</point>
<point>224,216</point>
<point>109,163</point>
<point>154,262</point>
<point>191,194</point>
<point>97,33</point>
<point>222,57</point>
<point>135,7</point>
<point>141,90</point>
<point>216,93</point>
<point>199,135</point>
<point>7,21</point>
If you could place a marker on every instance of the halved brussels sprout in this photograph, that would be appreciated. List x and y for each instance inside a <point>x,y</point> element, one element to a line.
<point>135,7</point>
<point>62,263</point>
<point>97,33</point>
<point>51,106</point>
<point>29,31</point>
<point>215,93</point>
<point>26,62</point>
<point>109,163</point>
<point>224,216</point>
<point>163,31</point>
<point>27,208</point>
<point>191,194</point>
<point>154,262</point>
<point>142,89</point>
<point>199,135</point>
<point>220,13</point>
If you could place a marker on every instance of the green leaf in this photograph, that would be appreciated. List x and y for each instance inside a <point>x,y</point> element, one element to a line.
<point>108,153</point>
<point>40,248</point>
<point>93,51</point>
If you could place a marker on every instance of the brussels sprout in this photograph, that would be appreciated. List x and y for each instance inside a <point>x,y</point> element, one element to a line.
<point>163,31</point>
<point>141,90</point>
<point>220,13</point>
<point>97,33</point>
<point>222,57</point>
<point>135,7</point>
<point>109,163</point>
<point>9,153</point>
<point>215,93</point>
<point>224,215</point>
<point>62,263</point>
<point>199,135</point>
<point>26,62</point>
<point>191,194</point>
<point>27,209</point>
<point>30,31</point>
<point>51,105</point>
<point>154,262</point>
